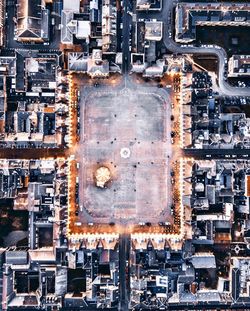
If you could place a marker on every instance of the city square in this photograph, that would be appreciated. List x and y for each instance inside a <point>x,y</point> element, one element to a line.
<point>129,133</point>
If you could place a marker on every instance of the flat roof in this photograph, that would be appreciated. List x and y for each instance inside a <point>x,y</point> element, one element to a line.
<point>71,5</point>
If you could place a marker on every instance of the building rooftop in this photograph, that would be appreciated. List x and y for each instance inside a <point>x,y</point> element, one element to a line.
<point>30,21</point>
<point>190,15</point>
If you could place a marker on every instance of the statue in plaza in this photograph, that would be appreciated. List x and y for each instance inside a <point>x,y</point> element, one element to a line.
<point>102,176</point>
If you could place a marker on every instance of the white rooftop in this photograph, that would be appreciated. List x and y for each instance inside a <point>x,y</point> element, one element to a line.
<point>71,5</point>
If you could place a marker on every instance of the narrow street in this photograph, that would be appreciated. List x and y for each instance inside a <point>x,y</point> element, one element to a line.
<point>124,274</point>
<point>9,153</point>
<point>126,34</point>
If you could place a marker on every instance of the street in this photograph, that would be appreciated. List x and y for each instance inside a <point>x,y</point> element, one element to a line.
<point>124,249</point>
<point>217,153</point>
<point>126,33</point>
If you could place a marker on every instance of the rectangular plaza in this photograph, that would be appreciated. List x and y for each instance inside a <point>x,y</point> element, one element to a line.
<point>127,132</point>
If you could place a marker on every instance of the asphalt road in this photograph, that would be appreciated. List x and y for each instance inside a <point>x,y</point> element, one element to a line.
<point>217,153</point>
<point>33,153</point>
<point>125,33</point>
<point>124,249</point>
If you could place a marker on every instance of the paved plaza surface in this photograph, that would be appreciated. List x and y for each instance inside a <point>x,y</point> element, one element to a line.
<point>127,131</point>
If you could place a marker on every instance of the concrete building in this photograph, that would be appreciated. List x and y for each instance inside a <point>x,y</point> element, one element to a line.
<point>70,26</point>
<point>31,75</point>
<point>2,21</point>
<point>239,66</point>
<point>94,65</point>
<point>143,58</point>
<point>32,21</point>
<point>239,279</point>
<point>227,130</point>
<point>190,15</point>
<point>153,30</point>
<point>109,31</point>
<point>144,5</point>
